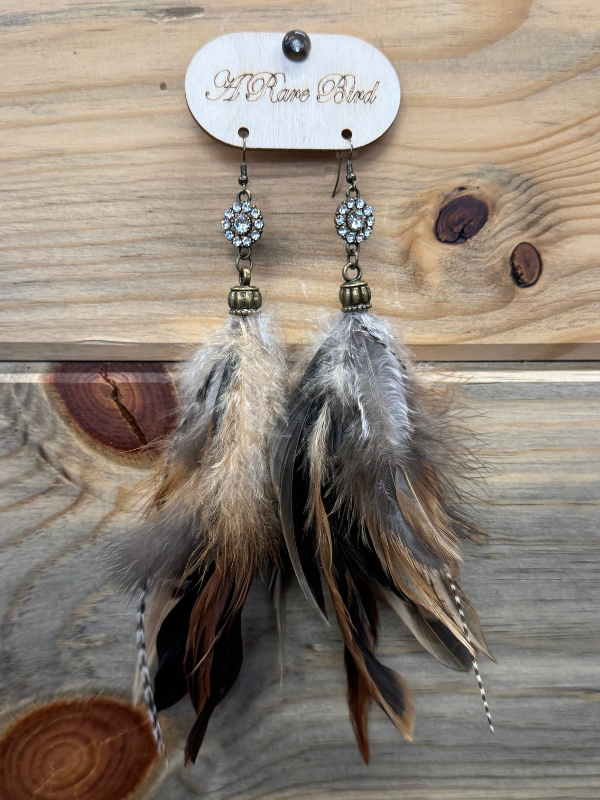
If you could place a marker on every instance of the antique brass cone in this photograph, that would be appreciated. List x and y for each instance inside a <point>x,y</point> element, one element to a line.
<point>355,295</point>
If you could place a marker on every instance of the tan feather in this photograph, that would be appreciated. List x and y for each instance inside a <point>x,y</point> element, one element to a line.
<point>404,721</point>
<point>381,503</point>
<point>211,523</point>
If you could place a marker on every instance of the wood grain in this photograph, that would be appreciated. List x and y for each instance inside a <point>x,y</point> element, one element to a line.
<point>95,748</point>
<point>64,632</point>
<point>112,196</point>
<point>460,219</point>
<point>127,408</point>
<point>526,265</point>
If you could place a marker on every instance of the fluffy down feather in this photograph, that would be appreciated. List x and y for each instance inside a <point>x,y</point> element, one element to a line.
<point>364,468</point>
<point>212,522</point>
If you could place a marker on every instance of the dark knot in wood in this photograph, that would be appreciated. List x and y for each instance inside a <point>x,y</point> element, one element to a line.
<point>525,265</point>
<point>460,219</point>
<point>123,406</point>
<point>96,748</point>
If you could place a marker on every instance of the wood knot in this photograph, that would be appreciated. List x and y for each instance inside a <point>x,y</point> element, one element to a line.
<point>525,265</point>
<point>126,407</point>
<point>97,748</point>
<point>460,219</point>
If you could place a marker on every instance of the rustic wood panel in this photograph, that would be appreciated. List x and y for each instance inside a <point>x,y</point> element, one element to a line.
<point>111,195</point>
<point>63,632</point>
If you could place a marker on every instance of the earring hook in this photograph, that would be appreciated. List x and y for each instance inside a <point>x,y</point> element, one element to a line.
<point>243,179</point>
<point>339,156</point>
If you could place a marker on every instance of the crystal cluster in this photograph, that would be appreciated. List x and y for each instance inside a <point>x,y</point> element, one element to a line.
<point>354,220</point>
<point>243,223</point>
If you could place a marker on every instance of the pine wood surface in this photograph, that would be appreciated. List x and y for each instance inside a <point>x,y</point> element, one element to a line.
<point>64,633</point>
<point>112,196</point>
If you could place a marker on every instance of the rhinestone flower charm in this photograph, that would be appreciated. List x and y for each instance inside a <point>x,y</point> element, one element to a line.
<point>354,220</point>
<point>243,223</point>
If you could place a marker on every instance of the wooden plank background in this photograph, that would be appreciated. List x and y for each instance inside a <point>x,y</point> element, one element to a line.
<point>535,584</point>
<point>112,196</point>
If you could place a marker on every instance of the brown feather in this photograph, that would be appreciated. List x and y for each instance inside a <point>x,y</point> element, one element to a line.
<point>404,720</point>
<point>385,459</point>
<point>212,495</point>
<point>211,522</point>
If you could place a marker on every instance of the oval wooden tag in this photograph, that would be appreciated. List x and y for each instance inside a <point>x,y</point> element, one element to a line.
<point>244,80</point>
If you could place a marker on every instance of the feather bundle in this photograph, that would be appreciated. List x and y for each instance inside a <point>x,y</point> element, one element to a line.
<point>212,522</point>
<point>363,466</point>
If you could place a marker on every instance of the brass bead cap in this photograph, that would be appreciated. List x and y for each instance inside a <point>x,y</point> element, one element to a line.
<point>244,300</point>
<point>355,295</point>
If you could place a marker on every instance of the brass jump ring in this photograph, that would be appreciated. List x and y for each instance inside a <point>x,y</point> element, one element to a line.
<point>355,266</point>
<point>353,250</point>
<point>243,257</point>
<point>244,253</point>
<point>245,275</point>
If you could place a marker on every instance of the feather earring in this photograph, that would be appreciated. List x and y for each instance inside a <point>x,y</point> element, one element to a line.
<point>365,467</point>
<point>212,522</point>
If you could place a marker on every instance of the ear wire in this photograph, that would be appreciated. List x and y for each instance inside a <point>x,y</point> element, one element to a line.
<point>339,156</point>
<point>145,672</point>
<point>243,179</point>
<point>473,659</point>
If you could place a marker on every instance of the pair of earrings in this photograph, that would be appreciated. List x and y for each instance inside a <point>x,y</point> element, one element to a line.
<point>347,477</point>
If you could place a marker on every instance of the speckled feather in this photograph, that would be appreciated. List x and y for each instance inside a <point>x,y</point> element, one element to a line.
<point>372,460</point>
<point>213,496</point>
<point>212,522</point>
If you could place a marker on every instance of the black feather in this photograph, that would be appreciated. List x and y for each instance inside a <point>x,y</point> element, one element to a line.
<point>365,478</point>
<point>170,683</point>
<point>227,662</point>
<point>293,501</point>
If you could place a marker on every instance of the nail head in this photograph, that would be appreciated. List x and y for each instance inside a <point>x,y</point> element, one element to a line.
<point>296,45</point>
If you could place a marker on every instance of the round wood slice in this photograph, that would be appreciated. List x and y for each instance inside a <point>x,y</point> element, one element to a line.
<point>96,748</point>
